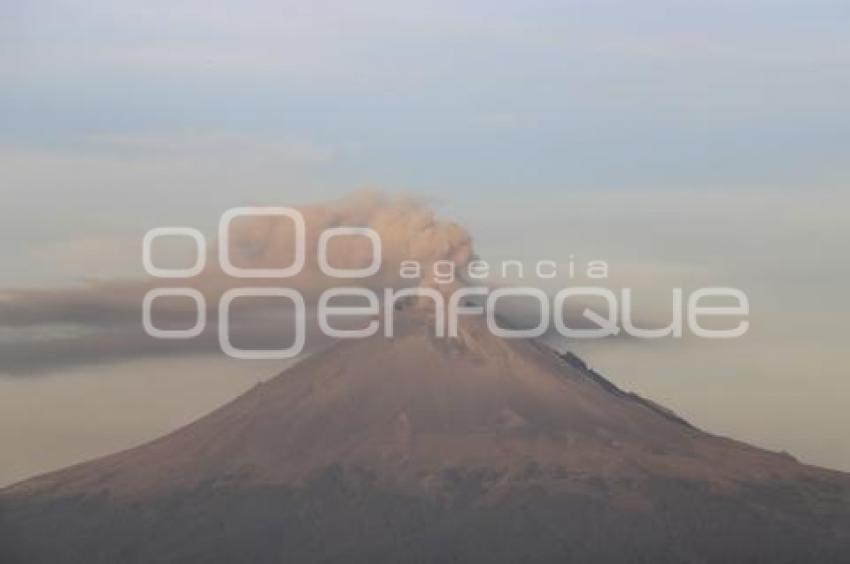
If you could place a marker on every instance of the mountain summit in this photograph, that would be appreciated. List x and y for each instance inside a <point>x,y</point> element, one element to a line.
<point>424,449</point>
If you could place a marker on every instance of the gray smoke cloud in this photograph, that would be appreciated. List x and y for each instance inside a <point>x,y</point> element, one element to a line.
<point>47,330</point>
<point>44,330</point>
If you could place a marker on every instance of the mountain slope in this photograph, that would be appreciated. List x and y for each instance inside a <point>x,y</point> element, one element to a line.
<point>474,449</point>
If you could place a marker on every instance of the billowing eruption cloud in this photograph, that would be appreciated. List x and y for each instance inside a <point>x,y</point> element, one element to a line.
<point>407,227</point>
<point>45,329</point>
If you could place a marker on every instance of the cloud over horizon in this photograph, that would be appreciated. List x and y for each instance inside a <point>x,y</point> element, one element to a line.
<point>47,329</point>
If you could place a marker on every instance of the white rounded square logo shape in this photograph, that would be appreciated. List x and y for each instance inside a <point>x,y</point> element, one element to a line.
<point>147,252</point>
<point>255,211</point>
<point>332,232</point>
<point>531,333</point>
<point>261,354</point>
<point>147,305</point>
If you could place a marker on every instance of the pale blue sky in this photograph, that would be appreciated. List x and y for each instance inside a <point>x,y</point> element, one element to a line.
<point>483,98</point>
<point>108,108</point>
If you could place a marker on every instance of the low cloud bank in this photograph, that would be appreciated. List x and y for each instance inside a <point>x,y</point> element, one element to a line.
<point>46,330</point>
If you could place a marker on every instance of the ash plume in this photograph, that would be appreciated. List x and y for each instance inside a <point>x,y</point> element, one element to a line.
<point>43,329</point>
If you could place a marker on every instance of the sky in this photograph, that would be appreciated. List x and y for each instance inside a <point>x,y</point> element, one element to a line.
<point>686,143</point>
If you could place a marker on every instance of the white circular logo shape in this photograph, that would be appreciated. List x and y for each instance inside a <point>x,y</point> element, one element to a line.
<point>332,232</point>
<point>155,271</point>
<point>224,242</point>
<point>147,306</point>
<point>261,354</point>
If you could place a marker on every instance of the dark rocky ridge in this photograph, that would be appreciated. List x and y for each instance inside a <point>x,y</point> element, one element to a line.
<point>417,449</point>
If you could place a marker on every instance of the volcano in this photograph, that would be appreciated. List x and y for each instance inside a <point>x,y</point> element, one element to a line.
<point>425,449</point>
